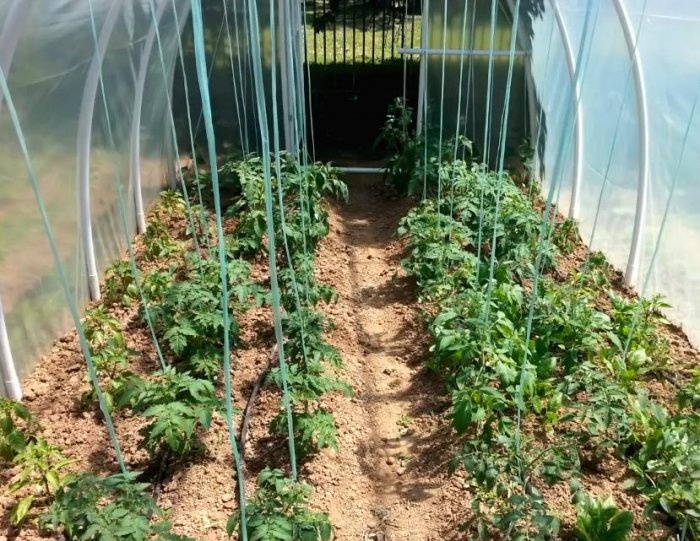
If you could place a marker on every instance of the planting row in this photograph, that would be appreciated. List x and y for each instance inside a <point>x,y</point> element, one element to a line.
<point>175,280</point>
<point>547,386</point>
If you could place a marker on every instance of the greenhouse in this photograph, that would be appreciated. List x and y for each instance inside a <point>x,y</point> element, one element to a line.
<point>368,270</point>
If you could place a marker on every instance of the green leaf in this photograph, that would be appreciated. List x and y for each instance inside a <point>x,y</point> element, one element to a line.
<point>259,226</point>
<point>232,524</point>
<point>20,510</point>
<point>53,480</point>
<point>325,530</point>
<point>308,533</point>
<point>260,533</point>
<point>281,529</point>
<point>620,525</point>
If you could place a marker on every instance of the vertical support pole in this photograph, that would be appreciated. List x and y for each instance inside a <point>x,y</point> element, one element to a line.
<point>302,78</point>
<point>423,71</point>
<point>87,109</point>
<point>632,271</point>
<point>283,20</point>
<point>7,364</point>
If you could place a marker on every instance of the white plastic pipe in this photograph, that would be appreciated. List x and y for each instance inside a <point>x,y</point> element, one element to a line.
<point>10,33</point>
<point>578,113</point>
<point>87,109</point>
<point>361,170</point>
<point>631,274</point>
<point>11,382</point>
<point>135,138</point>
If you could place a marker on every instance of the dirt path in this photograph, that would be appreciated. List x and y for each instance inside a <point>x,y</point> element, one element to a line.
<point>387,482</point>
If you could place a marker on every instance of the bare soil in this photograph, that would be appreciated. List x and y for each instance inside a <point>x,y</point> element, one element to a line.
<point>388,481</point>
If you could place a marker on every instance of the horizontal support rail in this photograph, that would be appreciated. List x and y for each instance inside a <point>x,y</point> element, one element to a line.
<point>461,52</point>
<point>360,170</point>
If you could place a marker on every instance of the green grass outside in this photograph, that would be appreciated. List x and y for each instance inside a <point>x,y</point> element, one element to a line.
<point>345,41</point>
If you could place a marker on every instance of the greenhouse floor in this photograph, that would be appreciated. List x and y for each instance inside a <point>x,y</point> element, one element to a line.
<point>389,480</point>
<point>385,476</point>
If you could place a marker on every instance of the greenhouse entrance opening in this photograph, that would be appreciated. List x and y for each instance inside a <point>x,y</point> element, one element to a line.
<point>361,55</point>
<point>355,67</point>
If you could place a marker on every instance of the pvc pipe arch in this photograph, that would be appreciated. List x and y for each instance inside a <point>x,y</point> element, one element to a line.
<point>10,380</point>
<point>578,113</point>
<point>632,271</point>
<point>9,37</point>
<point>10,33</point>
<point>84,140</point>
<point>135,138</point>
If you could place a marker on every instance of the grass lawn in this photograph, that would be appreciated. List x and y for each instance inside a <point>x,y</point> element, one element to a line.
<point>358,33</point>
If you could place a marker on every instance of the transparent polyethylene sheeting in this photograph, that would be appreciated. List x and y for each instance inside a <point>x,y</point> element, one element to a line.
<point>48,55</point>
<point>443,93</point>
<point>590,138</point>
<point>613,157</point>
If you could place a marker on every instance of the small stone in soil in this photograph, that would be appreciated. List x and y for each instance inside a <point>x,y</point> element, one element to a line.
<point>390,461</point>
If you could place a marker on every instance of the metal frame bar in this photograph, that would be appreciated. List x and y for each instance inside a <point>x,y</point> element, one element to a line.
<point>354,30</point>
<point>335,38</point>
<point>459,52</point>
<point>423,69</point>
<point>374,35</point>
<point>325,40</point>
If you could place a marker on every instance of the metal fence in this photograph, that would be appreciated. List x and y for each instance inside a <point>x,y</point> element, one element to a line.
<point>360,31</point>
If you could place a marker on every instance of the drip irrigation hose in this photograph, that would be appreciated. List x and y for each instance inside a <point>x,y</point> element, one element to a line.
<point>250,405</point>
